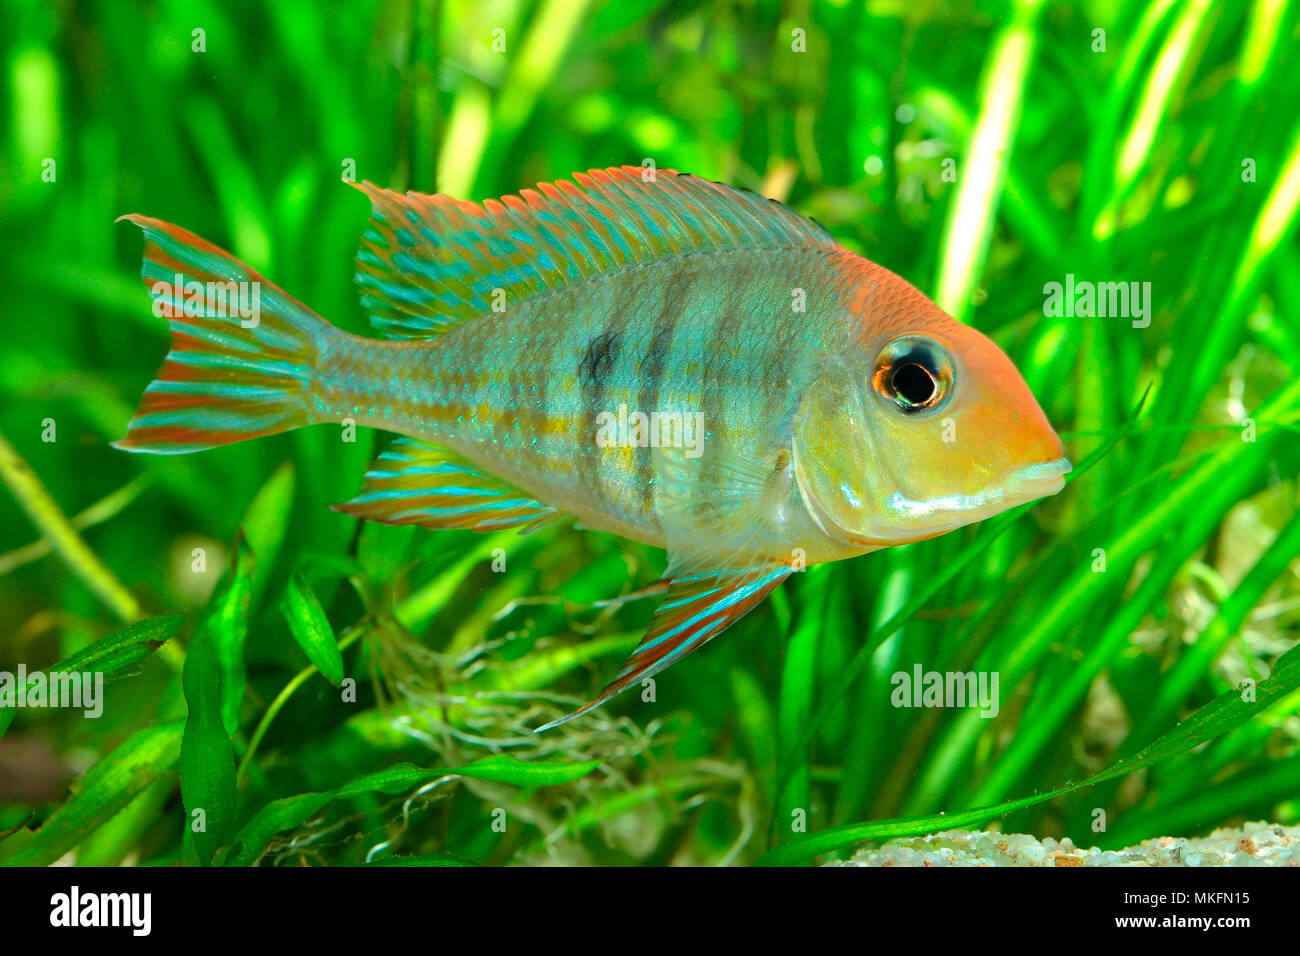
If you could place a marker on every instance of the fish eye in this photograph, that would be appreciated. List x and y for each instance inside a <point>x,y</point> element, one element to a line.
<point>914,373</point>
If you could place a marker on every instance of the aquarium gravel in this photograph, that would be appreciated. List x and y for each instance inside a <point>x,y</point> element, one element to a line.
<point>1255,844</point>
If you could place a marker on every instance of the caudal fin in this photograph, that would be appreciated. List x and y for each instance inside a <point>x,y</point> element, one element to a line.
<point>242,350</point>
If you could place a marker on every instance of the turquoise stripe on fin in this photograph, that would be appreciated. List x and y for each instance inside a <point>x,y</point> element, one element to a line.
<point>417,283</point>
<point>416,483</point>
<point>696,609</point>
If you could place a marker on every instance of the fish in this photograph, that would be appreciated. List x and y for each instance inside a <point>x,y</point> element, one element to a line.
<point>683,363</point>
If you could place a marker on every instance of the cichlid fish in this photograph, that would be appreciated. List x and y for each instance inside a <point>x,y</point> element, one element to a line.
<point>667,358</point>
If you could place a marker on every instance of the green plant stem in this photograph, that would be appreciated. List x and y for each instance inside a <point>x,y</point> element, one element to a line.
<point>282,698</point>
<point>45,513</point>
<point>969,229</point>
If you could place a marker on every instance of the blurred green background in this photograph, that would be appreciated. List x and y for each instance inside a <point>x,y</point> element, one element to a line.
<point>979,149</point>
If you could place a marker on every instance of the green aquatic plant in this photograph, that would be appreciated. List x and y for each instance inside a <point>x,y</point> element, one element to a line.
<point>283,684</point>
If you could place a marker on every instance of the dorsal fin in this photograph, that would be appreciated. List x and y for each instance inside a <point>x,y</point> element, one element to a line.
<point>427,263</point>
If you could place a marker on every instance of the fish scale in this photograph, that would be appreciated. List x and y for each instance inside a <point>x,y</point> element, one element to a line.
<point>628,290</point>
<point>566,464</point>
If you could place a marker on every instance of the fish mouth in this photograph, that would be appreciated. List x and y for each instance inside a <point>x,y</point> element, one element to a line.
<point>1037,481</point>
<point>917,519</point>
<point>937,515</point>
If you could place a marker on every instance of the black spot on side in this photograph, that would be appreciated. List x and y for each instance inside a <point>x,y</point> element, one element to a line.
<point>594,371</point>
<point>598,361</point>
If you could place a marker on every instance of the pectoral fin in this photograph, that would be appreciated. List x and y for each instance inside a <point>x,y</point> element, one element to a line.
<point>696,609</point>
<point>720,510</point>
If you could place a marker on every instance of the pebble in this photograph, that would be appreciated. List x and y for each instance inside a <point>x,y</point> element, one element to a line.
<point>1255,844</point>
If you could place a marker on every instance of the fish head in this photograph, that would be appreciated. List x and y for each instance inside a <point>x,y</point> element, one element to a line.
<point>919,428</point>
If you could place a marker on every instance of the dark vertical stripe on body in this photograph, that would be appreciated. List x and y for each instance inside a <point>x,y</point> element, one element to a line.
<point>595,370</point>
<point>654,364</point>
<point>718,370</point>
<point>596,364</point>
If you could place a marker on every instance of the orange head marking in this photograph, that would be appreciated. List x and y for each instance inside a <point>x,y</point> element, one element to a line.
<point>922,425</point>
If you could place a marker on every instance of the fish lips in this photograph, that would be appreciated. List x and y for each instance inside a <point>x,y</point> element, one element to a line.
<point>1039,481</point>
<point>928,518</point>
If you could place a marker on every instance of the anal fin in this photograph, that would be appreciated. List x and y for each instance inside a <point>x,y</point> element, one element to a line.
<point>696,609</point>
<point>416,483</point>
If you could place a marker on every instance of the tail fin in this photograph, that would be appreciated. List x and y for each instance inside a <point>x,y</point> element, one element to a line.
<point>242,350</point>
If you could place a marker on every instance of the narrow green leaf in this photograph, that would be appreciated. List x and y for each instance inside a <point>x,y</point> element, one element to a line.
<point>207,757</point>
<point>798,688</point>
<point>311,629</point>
<point>278,815</point>
<point>382,550</point>
<point>427,859</point>
<point>116,838</point>
<point>226,624</point>
<point>108,786</point>
<point>503,768</point>
<point>266,521</point>
<point>123,648</point>
<point>968,232</point>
